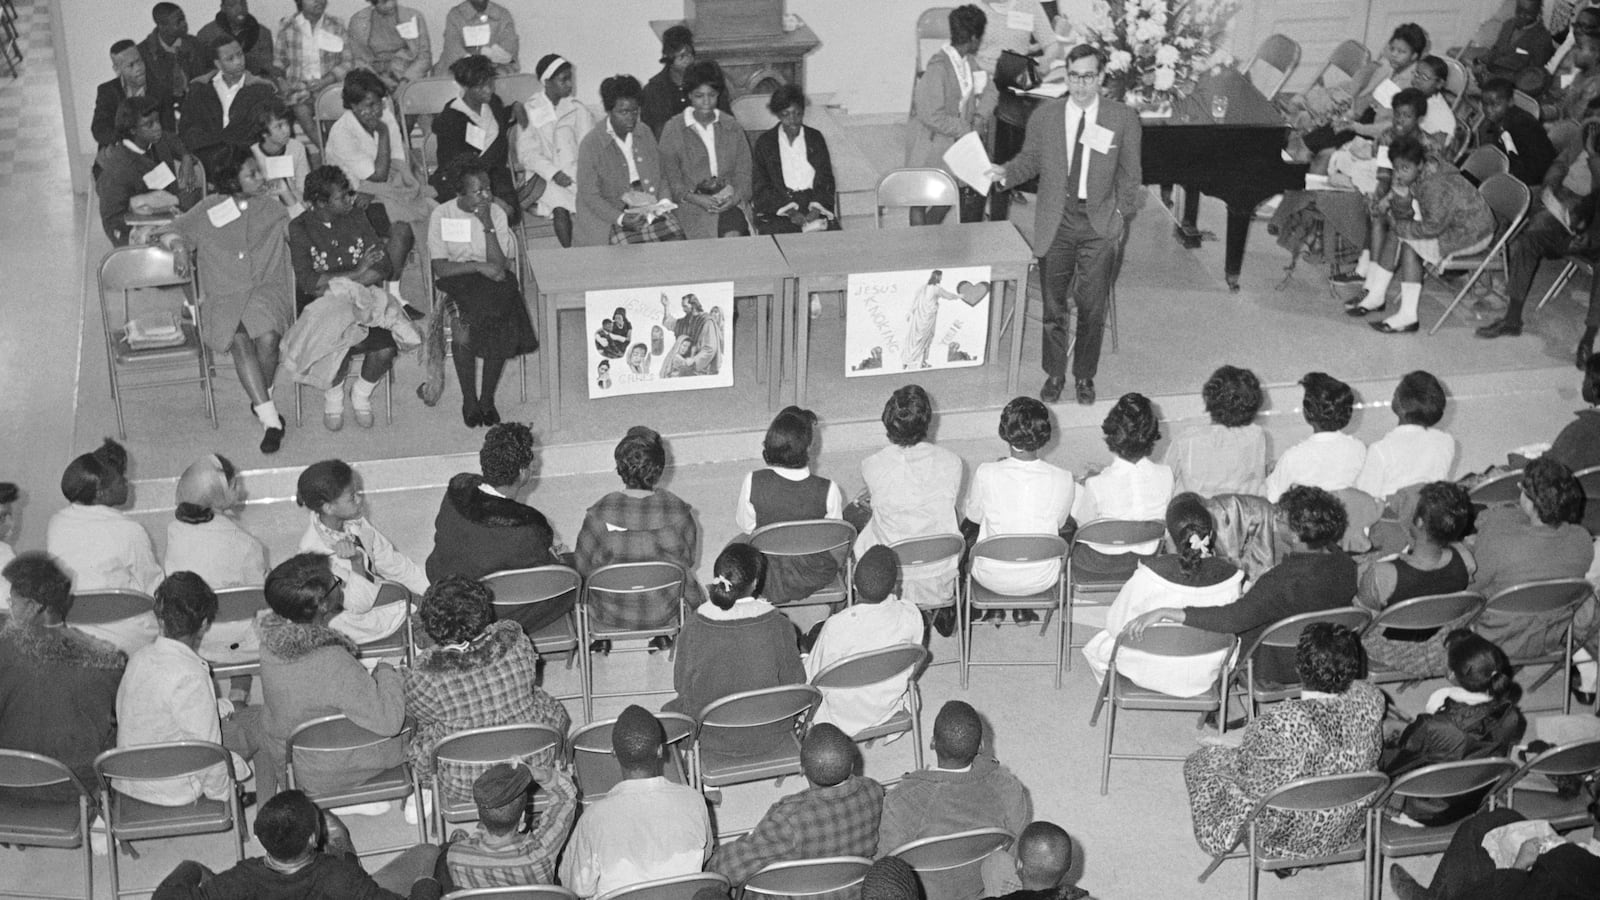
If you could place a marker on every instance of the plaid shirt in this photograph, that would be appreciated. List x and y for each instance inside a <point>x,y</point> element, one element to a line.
<point>479,860</point>
<point>293,54</point>
<point>633,526</point>
<point>821,821</point>
<point>490,683</point>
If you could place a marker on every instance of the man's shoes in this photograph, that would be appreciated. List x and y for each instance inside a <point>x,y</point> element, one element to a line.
<point>471,416</point>
<point>488,415</point>
<point>602,646</point>
<point>659,642</point>
<point>1500,328</point>
<point>1051,392</point>
<point>1085,390</point>
<point>1024,616</point>
<point>1584,698</point>
<point>1386,328</point>
<point>997,616</point>
<point>1208,721</point>
<point>1405,887</point>
<point>944,621</point>
<point>272,438</point>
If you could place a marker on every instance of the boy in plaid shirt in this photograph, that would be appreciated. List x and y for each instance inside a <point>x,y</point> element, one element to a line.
<point>497,854</point>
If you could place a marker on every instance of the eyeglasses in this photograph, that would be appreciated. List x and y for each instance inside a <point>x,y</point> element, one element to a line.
<point>1083,77</point>
<point>338,584</point>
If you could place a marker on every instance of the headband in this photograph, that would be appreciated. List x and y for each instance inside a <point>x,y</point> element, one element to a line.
<point>552,67</point>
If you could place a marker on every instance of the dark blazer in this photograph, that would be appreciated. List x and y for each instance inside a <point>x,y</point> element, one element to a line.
<point>191,61</point>
<point>1116,180</point>
<point>202,130</point>
<point>603,177</point>
<point>121,179</point>
<point>476,534</point>
<point>450,127</point>
<point>685,163</point>
<point>768,192</point>
<point>109,95</point>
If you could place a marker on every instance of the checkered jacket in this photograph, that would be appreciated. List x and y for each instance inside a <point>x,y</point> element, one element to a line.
<point>292,51</point>
<point>817,822</point>
<point>621,527</point>
<point>530,859</point>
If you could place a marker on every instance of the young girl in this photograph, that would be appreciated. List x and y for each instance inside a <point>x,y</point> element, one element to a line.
<point>360,555</point>
<point>1414,452</point>
<point>1228,455</point>
<point>282,159</point>
<point>548,146</point>
<point>736,642</point>
<point>787,491</point>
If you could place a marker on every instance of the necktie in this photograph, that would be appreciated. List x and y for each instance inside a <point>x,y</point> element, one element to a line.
<point>1075,168</point>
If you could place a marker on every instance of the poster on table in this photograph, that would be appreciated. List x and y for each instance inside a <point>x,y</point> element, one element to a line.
<point>649,340</point>
<point>918,319</point>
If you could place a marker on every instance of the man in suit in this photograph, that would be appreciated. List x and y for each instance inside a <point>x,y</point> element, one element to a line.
<point>1080,224</point>
<point>130,82</point>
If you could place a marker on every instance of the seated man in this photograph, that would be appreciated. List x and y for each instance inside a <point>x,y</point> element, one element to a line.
<point>1543,865</point>
<point>172,57</point>
<point>837,816</point>
<point>878,619</point>
<point>498,853</point>
<point>58,686</point>
<point>963,790</point>
<point>647,827</point>
<point>128,172</point>
<point>1044,859</point>
<point>1523,43</point>
<point>233,19</point>
<point>1565,103</point>
<point>309,854</point>
<point>1515,131</point>
<point>891,878</point>
<point>222,106</point>
<point>131,81</point>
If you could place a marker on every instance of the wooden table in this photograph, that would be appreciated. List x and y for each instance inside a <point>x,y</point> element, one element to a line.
<point>562,276</point>
<point>824,261</point>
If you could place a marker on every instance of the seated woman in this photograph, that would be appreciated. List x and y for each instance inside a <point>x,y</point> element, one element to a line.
<point>1475,718</point>
<point>1437,518</point>
<point>245,275</point>
<point>476,128</point>
<point>1329,458</point>
<point>308,670</point>
<point>944,107</point>
<point>547,144</point>
<point>480,276</point>
<point>1414,451</point>
<point>1434,213</point>
<point>368,144</point>
<point>787,491</point>
<point>479,673</point>
<point>1193,576</point>
<point>1228,456</point>
<point>1578,445</point>
<point>1542,866</point>
<point>1335,728</point>
<point>483,527</point>
<point>640,523</point>
<point>391,40</point>
<point>335,240</point>
<point>1132,487</point>
<point>620,187</point>
<point>359,554</point>
<point>131,169</point>
<point>1022,27</point>
<point>732,643</point>
<point>1326,117</point>
<point>204,537</point>
<point>705,159</point>
<point>792,187</point>
<point>100,546</point>
<point>282,159</point>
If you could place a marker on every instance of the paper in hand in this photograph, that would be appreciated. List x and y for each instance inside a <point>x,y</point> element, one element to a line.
<point>970,162</point>
<point>159,177</point>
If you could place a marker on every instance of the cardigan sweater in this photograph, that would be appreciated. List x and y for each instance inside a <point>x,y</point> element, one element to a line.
<point>603,179</point>
<point>1301,583</point>
<point>200,125</point>
<point>769,193</point>
<point>718,657</point>
<point>685,163</point>
<point>476,533</point>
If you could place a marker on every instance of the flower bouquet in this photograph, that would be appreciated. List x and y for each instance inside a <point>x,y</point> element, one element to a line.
<point>1158,49</point>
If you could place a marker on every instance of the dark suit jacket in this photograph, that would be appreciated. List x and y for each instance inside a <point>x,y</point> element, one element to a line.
<point>1116,181</point>
<point>191,61</point>
<point>202,130</point>
<point>768,193</point>
<point>109,95</point>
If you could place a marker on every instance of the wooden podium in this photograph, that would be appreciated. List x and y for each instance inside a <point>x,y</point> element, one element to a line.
<point>748,39</point>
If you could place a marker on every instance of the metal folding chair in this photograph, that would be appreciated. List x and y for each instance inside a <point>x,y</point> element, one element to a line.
<point>236,607</point>
<point>1428,613</point>
<point>1442,781</point>
<point>793,703</point>
<point>329,107</point>
<point>941,858</point>
<point>1504,488</point>
<point>1569,268</point>
<point>337,734</point>
<point>1529,791</point>
<point>808,537</point>
<point>594,765</point>
<point>1551,598</point>
<point>426,97</point>
<point>57,824</point>
<point>681,887</point>
<point>1280,56</point>
<point>752,113</point>
<point>808,877</point>
<point>924,557</point>
<point>1457,83</point>
<point>1017,549</point>
<point>517,595</point>
<point>526,892</point>
<point>1590,479</point>
<point>1484,161</point>
<point>901,662</point>
<point>402,642</point>
<point>1509,199</point>
<point>1100,590</point>
<point>109,605</point>
<point>902,188</point>
<point>1285,635</point>
<point>653,590</point>
<point>483,747</point>
<point>128,269</point>
<point>933,24</point>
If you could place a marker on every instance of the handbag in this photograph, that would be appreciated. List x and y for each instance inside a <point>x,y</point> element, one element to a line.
<point>1013,70</point>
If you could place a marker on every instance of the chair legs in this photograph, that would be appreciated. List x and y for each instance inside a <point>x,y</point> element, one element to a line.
<point>1567,271</point>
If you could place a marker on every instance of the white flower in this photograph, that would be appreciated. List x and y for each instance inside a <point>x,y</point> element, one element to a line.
<point>1164,78</point>
<point>1166,55</point>
<point>1119,61</point>
<point>1148,30</point>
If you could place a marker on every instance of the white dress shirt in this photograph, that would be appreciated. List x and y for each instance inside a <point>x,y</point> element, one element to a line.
<point>166,695</point>
<point>1410,454</point>
<point>642,830</point>
<point>101,549</point>
<point>1074,113</point>
<point>226,93</point>
<point>1138,491</point>
<point>707,134</point>
<point>798,173</point>
<point>1330,460</point>
<point>1017,496</point>
<point>355,151</point>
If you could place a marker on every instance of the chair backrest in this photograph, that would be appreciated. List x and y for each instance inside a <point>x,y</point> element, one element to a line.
<point>900,662</point>
<point>1324,792</point>
<point>927,551</point>
<point>945,853</point>
<point>1021,548</point>
<point>932,25</point>
<point>915,187</point>
<point>1503,488</point>
<point>805,877</point>
<point>629,585</point>
<point>803,537</point>
<point>427,96</point>
<point>159,762</point>
<point>1577,758</point>
<point>1432,611</point>
<point>516,590</point>
<point>1348,58</point>
<point>1538,598</point>
<point>1455,82</point>
<point>1449,779</point>
<point>496,743</point>
<point>752,113</point>
<point>1590,479</point>
<point>330,734</point>
<point>131,268</point>
<point>22,770</point>
<point>524,892</point>
<point>1285,633</point>
<point>1171,640</point>
<point>595,737</point>
<point>330,105</point>
<point>110,605</point>
<point>1120,532</point>
<point>1525,102</point>
<point>753,709</point>
<point>1483,161</point>
<point>680,887</point>
<point>240,604</point>
<point>1280,54</point>
<point>516,87</point>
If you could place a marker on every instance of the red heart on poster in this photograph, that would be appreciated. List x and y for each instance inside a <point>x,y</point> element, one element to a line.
<point>973,293</point>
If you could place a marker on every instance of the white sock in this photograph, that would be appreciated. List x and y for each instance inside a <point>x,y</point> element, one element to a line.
<point>361,394</point>
<point>393,287</point>
<point>1377,287</point>
<point>1586,669</point>
<point>1410,296</point>
<point>1364,263</point>
<point>333,400</point>
<point>268,414</point>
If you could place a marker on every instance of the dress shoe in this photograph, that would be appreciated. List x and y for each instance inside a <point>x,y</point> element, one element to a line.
<point>1348,278</point>
<point>602,646</point>
<point>272,438</point>
<point>1584,698</point>
<point>997,616</point>
<point>470,415</point>
<point>1500,328</point>
<point>944,621</point>
<point>1386,328</point>
<point>488,415</point>
<point>1051,392</point>
<point>659,642</point>
<point>1586,347</point>
<point>1085,390</point>
<point>1358,307</point>
<point>1404,886</point>
<point>1024,616</point>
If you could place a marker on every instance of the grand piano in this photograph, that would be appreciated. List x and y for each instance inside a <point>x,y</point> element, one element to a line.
<point>1238,160</point>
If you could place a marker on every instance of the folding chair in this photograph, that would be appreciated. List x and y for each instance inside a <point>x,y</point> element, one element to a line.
<point>1177,643</point>
<point>128,269</point>
<point>681,887</point>
<point>352,370</point>
<point>1525,102</point>
<point>1590,479</point>
<point>1505,487</point>
<point>752,113</point>
<point>944,857</point>
<point>1457,82</point>
<point>1100,590</point>
<point>1555,598</point>
<point>1279,55</point>
<point>1539,799</point>
<point>525,892</point>
<point>1484,161</point>
<point>58,824</point>
<point>439,297</point>
<point>594,765</point>
<point>928,557</point>
<point>426,97</point>
<point>128,819</point>
<point>337,734</point>
<point>517,595</point>
<point>237,609</point>
<point>481,748</point>
<point>808,877</point>
<point>808,537</point>
<point>1441,781</point>
<point>901,662</point>
<point>902,188</point>
<point>1315,794</point>
<point>329,107</point>
<point>1014,550</point>
<point>648,595</point>
<point>1283,636</point>
<point>401,643</point>
<point>1508,198</point>
<point>793,703</point>
<point>517,87</point>
<point>1569,268</point>
<point>109,605</point>
<point>1429,613</point>
<point>933,24</point>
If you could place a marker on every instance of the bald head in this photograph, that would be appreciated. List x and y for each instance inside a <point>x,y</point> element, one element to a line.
<point>828,756</point>
<point>957,734</point>
<point>1044,855</point>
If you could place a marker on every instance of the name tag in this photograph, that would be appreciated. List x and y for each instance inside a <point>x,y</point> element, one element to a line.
<point>455,231</point>
<point>408,29</point>
<point>1384,93</point>
<point>159,177</point>
<point>1097,137</point>
<point>329,42</point>
<point>477,137</point>
<point>475,35</point>
<point>1019,18</point>
<point>223,213</point>
<point>1383,158</point>
<point>275,167</point>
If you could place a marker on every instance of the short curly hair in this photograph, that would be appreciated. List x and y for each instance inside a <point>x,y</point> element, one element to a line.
<point>1131,428</point>
<point>907,415</point>
<point>641,458</point>
<point>322,182</point>
<point>1556,495</point>
<point>184,604</point>
<point>1025,424</point>
<point>619,87</point>
<point>1232,396</point>
<point>507,450</point>
<point>322,482</point>
<point>1418,399</point>
<point>1315,516</point>
<point>1328,657</point>
<point>1445,511</point>
<point>1327,403</point>
<point>456,609</point>
<point>704,72</point>
<point>37,576</point>
<point>472,71</point>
